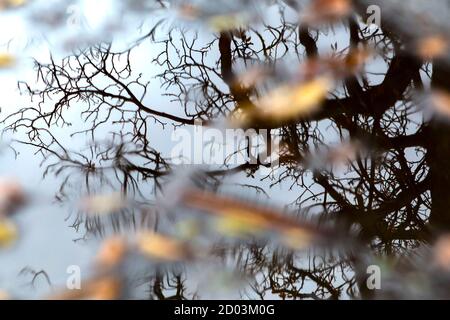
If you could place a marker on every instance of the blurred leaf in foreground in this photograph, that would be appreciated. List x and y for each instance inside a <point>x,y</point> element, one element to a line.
<point>6,4</point>
<point>112,251</point>
<point>104,288</point>
<point>11,196</point>
<point>103,204</point>
<point>440,102</point>
<point>296,239</point>
<point>4,295</point>
<point>227,22</point>
<point>441,252</point>
<point>162,247</point>
<point>432,47</point>
<point>225,16</point>
<point>238,219</point>
<point>8,233</point>
<point>289,102</point>
<point>322,11</point>
<point>236,223</point>
<point>6,60</point>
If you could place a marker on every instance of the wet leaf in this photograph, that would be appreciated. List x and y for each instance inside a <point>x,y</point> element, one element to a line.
<point>4,295</point>
<point>5,4</point>
<point>227,22</point>
<point>237,222</point>
<point>162,247</point>
<point>189,11</point>
<point>8,233</point>
<point>441,252</point>
<point>6,60</point>
<point>432,47</point>
<point>297,239</point>
<point>104,288</point>
<point>356,59</point>
<point>104,204</point>
<point>112,251</point>
<point>290,102</point>
<point>440,102</point>
<point>12,196</point>
<point>321,11</point>
<point>237,219</point>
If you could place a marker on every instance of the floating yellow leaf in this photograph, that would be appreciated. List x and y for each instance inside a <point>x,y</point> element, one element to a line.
<point>8,233</point>
<point>112,251</point>
<point>236,222</point>
<point>104,204</point>
<point>162,247</point>
<point>432,47</point>
<point>6,60</point>
<point>227,22</point>
<point>5,4</point>
<point>290,102</point>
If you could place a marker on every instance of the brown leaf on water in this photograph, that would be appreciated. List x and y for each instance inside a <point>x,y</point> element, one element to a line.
<point>112,251</point>
<point>320,11</point>
<point>162,247</point>
<point>440,102</point>
<point>12,196</point>
<point>6,4</point>
<point>441,252</point>
<point>432,47</point>
<point>236,218</point>
<point>103,288</point>
<point>8,233</point>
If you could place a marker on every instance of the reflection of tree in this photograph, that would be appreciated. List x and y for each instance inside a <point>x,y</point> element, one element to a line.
<point>396,194</point>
